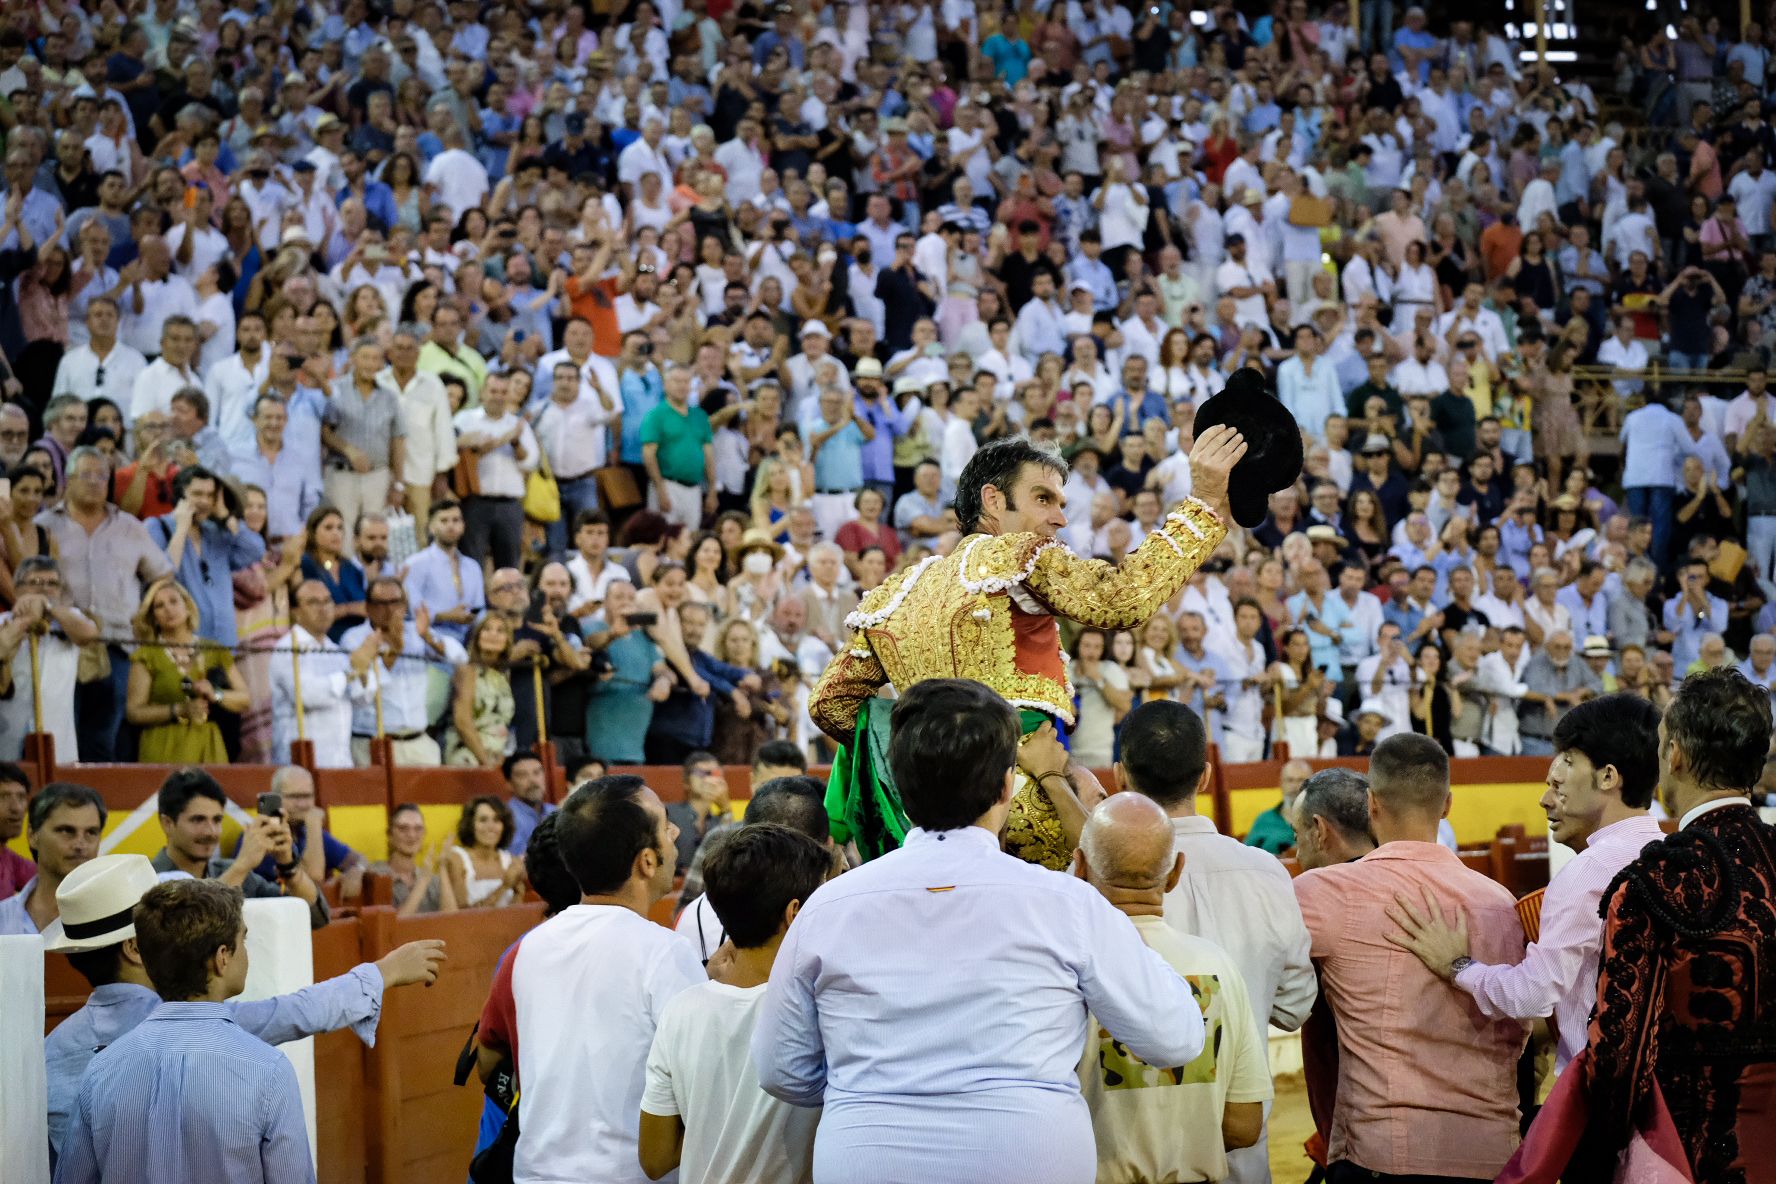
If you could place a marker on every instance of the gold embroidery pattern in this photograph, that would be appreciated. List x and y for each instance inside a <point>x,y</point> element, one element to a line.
<point>955,619</point>
<point>1033,830</point>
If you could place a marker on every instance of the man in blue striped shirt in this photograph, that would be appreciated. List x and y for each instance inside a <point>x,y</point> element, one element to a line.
<point>188,1094</point>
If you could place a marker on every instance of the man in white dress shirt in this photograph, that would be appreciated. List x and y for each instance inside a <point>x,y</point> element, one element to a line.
<point>233,384</point>
<point>1236,896</point>
<point>168,374</point>
<point>1601,781</point>
<point>153,295</point>
<point>104,367</point>
<point>322,693</point>
<point>935,998</point>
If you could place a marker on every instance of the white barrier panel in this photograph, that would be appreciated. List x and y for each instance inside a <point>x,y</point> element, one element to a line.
<point>280,959</point>
<point>24,1097</point>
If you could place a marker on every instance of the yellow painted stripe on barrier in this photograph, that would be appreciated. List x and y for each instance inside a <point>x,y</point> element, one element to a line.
<point>1476,815</point>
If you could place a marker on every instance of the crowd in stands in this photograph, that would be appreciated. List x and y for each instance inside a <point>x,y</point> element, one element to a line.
<point>469,376</point>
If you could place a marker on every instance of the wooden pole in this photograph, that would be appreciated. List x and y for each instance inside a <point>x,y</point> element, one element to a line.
<point>536,683</point>
<point>1356,20</point>
<point>296,682</point>
<point>36,686</point>
<point>1541,23</point>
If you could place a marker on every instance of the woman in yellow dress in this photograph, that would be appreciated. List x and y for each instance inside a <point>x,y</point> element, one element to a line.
<point>175,679</point>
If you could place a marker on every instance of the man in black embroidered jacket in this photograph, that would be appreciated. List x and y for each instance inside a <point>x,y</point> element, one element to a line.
<point>1686,994</point>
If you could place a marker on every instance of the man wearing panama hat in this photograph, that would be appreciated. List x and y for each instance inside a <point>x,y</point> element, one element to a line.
<point>97,932</point>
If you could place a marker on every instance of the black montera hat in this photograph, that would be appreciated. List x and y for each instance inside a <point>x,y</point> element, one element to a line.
<point>1273,443</point>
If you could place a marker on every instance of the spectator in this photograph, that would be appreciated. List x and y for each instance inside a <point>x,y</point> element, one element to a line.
<point>1104,698</point>
<point>1693,613</point>
<point>191,806</point>
<point>405,651</point>
<point>174,349</point>
<point>678,452</point>
<point>1271,831</point>
<point>428,445</point>
<point>62,832</point>
<point>442,581</point>
<point>318,685</point>
<point>1396,1023</point>
<point>484,873</point>
<point>590,565</point>
<point>524,776</point>
<point>176,679</point>
<point>325,562</point>
<point>1234,896</point>
<point>702,1109</point>
<point>40,642</point>
<point>583,1081</point>
<point>1126,852</point>
<point>481,704</point>
<point>292,489</point>
<point>109,957</point>
<point>504,451</point>
<point>206,544</point>
<point>365,436</point>
<point>414,866</point>
<point>105,366</point>
<point>1555,683</point>
<point>107,561</point>
<point>15,793</point>
<point>245,1124</point>
<point>954,746</point>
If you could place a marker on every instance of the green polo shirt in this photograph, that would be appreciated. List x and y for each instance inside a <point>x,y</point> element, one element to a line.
<point>1271,831</point>
<point>680,438</point>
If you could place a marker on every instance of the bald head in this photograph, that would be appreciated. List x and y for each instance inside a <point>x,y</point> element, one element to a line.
<point>1127,843</point>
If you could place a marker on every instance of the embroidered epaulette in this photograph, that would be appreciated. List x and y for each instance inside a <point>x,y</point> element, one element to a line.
<point>990,564</point>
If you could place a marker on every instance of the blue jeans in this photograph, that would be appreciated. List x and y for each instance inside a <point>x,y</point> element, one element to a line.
<point>1656,502</point>
<point>1377,18</point>
<point>1536,746</point>
<point>581,493</point>
<point>99,712</point>
<point>1677,360</point>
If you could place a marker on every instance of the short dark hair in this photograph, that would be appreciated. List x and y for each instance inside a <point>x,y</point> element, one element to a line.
<point>179,927</point>
<point>11,774</point>
<point>1722,719</point>
<point>751,878</point>
<point>780,754</point>
<point>603,828</point>
<point>465,826</point>
<point>698,757</point>
<point>185,477</point>
<point>55,796</point>
<point>587,518</point>
<point>578,764</point>
<point>182,785</point>
<point>547,872</point>
<point>796,802</point>
<point>442,504</point>
<point>1411,772</point>
<point>1620,730</point>
<point>1341,797</point>
<point>997,463</point>
<point>952,744</point>
<point>1164,751</point>
<point>516,759</point>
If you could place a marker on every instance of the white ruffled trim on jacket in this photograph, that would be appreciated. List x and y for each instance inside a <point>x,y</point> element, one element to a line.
<point>862,620</point>
<point>995,584</point>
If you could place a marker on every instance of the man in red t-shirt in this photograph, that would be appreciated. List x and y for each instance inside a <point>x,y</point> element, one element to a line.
<point>593,295</point>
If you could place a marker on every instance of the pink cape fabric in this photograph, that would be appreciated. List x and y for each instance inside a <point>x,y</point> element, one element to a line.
<point>1654,1155</point>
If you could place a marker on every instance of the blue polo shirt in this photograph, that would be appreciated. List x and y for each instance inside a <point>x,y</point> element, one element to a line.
<point>838,466</point>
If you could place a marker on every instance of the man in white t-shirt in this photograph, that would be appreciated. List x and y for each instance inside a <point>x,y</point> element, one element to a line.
<point>460,178</point>
<point>1249,283</point>
<point>1156,1123</point>
<point>583,1066</point>
<point>702,1110</point>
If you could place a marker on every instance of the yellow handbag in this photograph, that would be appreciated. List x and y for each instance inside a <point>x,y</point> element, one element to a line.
<point>542,496</point>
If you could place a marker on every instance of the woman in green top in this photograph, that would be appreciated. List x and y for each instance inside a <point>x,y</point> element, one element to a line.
<point>176,679</point>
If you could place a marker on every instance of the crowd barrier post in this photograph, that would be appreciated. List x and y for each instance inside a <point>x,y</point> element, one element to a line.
<point>1223,801</point>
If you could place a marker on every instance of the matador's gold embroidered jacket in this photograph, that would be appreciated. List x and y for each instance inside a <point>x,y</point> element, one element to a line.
<point>987,612</point>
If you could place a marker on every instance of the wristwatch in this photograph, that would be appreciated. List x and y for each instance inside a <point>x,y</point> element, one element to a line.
<point>286,870</point>
<point>1459,965</point>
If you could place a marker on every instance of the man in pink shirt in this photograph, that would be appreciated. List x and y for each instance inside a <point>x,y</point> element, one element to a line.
<point>1426,1082</point>
<point>1605,768</point>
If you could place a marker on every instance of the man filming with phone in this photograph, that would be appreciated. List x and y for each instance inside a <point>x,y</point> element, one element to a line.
<point>192,806</point>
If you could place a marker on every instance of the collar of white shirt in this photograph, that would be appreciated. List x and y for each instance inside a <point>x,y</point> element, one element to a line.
<point>970,836</point>
<point>1696,812</point>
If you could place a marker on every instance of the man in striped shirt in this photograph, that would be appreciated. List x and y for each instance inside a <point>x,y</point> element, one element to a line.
<point>1600,783</point>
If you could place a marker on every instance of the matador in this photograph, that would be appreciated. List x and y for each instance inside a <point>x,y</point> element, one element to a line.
<point>988,611</point>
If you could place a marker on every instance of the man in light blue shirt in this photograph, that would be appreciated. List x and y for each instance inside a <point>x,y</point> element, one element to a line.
<point>188,1094</point>
<point>642,389</point>
<point>1693,614</point>
<point>1308,385</point>
<point>206,552</point>
<point>1322,615</point>
<point>1089,268</point>
<point>292,488</point>
<point>442,580</point>
<point>1214,674</point>
<point>935,1000</point>
<point>123,996</point>
<point>1653,442</point>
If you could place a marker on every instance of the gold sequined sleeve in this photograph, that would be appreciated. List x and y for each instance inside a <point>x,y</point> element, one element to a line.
<point>1096,593</point>
<point>849,679</point>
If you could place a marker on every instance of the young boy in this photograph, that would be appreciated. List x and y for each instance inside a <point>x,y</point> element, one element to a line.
<point>702,1110</point>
